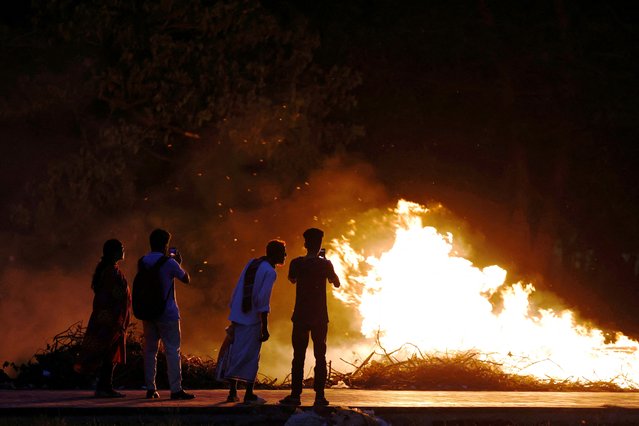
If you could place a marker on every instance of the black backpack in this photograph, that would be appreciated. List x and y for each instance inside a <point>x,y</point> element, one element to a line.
<point>147,296</point>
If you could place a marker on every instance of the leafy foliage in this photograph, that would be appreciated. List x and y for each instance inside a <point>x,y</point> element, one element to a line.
<point>152,83</point>
<point>174,67</point>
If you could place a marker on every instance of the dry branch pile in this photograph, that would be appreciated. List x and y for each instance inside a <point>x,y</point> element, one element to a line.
<point>52,368</point>
<point>451,371</point>
<point>461,371</point>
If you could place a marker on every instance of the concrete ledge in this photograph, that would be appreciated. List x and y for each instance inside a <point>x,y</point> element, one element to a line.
<point>395,407</point>
<point>503,416</point>
<point>278,415</point>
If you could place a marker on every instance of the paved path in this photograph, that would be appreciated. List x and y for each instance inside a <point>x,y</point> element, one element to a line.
<point>396,407</point>
<point>337,397</point>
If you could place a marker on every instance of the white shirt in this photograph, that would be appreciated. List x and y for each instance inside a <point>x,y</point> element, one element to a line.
<point>262,288</point>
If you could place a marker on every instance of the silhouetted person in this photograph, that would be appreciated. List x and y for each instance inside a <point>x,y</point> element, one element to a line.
<point>104,344</point>
<point>167,326</point>
<point>250,306</point>
<point>310,315</point>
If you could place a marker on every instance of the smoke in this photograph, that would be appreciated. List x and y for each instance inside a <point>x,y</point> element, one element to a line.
<point>40,300</point>
<point>220,218</point>
<point>216,240</point>
<point>36,305</point>
<point>328,200</point>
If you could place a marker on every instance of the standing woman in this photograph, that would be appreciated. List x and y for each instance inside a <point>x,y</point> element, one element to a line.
<point>104,343</point>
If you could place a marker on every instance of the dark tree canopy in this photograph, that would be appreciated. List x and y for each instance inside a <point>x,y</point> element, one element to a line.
<point>150,82</point>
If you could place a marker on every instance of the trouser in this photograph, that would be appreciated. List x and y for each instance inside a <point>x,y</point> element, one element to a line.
<point>318,334</point>
<point>105,374</point>
<point>169,333</point>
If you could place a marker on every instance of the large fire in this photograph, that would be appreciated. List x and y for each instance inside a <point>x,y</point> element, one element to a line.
<point>423,292</point>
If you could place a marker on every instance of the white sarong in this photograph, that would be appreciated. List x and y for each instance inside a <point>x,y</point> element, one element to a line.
<point>240,359</point>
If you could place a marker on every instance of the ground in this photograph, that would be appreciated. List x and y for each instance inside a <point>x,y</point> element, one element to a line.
<point>396,407</point>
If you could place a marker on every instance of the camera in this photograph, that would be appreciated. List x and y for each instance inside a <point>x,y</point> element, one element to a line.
<point>172,251</point>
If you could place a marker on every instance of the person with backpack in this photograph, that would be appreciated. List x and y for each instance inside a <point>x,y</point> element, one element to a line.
<point>104,343</point>
<point>250,306</point>
<point>159,311</point>
<point>310,314</point>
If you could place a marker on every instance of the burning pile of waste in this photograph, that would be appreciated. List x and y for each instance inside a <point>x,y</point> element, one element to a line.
<point>409,286</point>
<point>453,371</point>
<point>52,368</point>
<point>410,283</point>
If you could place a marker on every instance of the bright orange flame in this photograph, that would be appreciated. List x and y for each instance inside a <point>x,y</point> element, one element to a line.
<point>423,292</point>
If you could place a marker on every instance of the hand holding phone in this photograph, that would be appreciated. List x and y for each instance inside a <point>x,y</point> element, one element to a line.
<point>175,254</point>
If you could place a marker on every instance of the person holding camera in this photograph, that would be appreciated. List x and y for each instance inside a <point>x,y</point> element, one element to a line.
<point>310,315</point>
<point>250,306</point>
<point>167,326</point>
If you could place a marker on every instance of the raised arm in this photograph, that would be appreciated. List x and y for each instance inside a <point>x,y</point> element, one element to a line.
<point>292,271</point>
<point>186,278</point>
<point>332,276</point>
<point>180,273</point>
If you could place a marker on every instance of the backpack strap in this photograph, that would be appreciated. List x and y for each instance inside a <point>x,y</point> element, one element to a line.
<point>157,265</point>
<point>156,269</point>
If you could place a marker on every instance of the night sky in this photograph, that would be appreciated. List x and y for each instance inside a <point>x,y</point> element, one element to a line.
<point>519,117</point>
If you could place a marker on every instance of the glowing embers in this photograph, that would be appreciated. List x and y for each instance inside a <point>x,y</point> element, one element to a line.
<point>422,291</point>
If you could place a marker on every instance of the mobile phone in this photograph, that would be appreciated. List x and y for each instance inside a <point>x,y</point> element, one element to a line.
<point>172,251</point>
<point>322,252</point>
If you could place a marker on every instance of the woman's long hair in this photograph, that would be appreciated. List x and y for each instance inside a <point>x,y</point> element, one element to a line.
<point>110,254</point>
